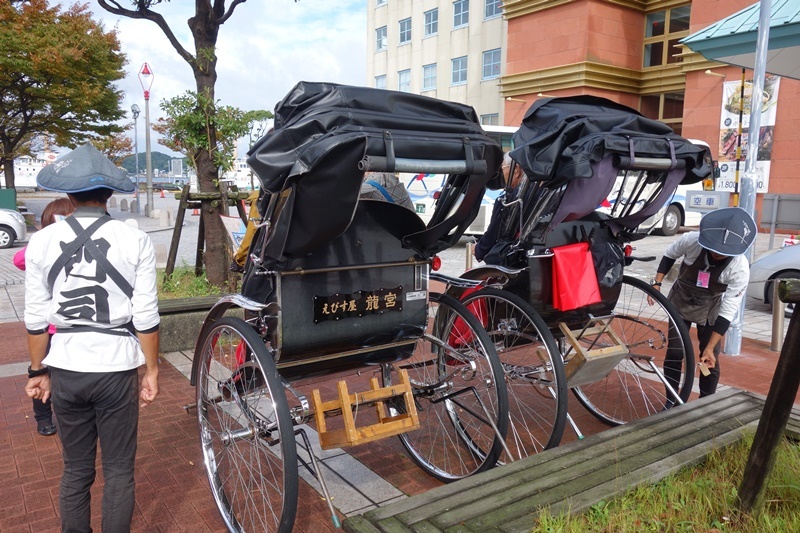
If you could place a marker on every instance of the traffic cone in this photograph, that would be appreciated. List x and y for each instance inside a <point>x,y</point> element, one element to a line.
<point>195,212</point>
<point>162,193</point>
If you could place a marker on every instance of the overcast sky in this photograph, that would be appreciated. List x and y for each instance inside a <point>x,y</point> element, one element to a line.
<point>264,49</point>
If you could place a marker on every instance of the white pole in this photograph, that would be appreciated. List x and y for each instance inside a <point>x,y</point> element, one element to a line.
<point>149,207</point>
<point>747,197</point>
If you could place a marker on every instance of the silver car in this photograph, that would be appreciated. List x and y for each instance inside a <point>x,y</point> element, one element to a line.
<point>780,263</point>
<point>12,227</point>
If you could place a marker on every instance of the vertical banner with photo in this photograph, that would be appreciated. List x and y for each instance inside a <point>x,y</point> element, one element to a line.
<point>729,131</point>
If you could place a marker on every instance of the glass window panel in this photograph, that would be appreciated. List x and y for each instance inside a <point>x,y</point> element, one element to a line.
<point>490,120</point>
<point>404,81</point>
<point>459,70</point>
<point>653,54</point>
<point>492,8</point>
<point>655,24</point>
<point>405,31</point>
<point>491,64</point>
<point>380,39</point>
<point>460,13</point>
<point>679,19</point>
<point>431,22</point>
<point>673,106</point>
<point>429,77</point>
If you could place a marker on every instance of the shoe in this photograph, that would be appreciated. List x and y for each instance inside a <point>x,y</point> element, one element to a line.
<point>46,428</point>
<point>235,267</point>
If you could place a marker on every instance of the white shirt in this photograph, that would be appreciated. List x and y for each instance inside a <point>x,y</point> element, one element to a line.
<point>736,275</point>
<point>83,295</point>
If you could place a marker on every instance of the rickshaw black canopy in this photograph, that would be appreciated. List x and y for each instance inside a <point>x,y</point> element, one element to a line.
<point>560,139</point>
<point>322,132</point>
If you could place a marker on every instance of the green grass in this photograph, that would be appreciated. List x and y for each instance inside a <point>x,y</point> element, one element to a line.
<point>697,499</point>
<point>184,284</point>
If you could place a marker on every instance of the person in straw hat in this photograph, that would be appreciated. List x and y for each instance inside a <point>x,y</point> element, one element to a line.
<point>711,284</point>
<point>94,279</point>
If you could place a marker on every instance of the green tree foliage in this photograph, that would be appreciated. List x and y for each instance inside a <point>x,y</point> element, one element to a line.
<point>57,74</point>
<point>204,25</point>
<point>190,117</point>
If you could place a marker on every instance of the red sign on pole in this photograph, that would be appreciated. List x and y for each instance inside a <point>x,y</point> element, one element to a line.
<point>146,77</point>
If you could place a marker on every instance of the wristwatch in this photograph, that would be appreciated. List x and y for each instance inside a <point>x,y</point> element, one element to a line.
<point>654,283</point>
<point>36,373</point>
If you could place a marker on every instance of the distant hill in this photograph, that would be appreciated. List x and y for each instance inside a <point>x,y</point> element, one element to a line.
<point>160,162</point>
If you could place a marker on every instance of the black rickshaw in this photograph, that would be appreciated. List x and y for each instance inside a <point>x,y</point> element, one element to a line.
<point>333,283</point>
<point>557,305</point>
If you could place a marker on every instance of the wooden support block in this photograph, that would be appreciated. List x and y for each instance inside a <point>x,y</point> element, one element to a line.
<point>347,405</point>
<point>588,366</point>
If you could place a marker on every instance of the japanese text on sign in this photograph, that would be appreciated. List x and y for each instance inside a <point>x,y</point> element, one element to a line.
<point>359,303</point>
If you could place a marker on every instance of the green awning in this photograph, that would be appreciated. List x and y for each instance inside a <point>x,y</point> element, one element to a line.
<point>732,40</point>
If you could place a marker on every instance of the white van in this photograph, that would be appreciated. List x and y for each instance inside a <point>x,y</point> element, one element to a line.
<point>424,188</point>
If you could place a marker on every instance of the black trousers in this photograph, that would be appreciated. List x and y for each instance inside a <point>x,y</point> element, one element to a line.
<point>674,360</point>
<point>91,407</point>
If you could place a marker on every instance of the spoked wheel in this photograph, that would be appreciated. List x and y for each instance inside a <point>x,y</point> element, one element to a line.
<point>459,394</point>
<point>534,371</point>
<point>246,433</point>
<point>659,345</point>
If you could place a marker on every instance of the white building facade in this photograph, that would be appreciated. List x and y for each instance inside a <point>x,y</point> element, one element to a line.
<point>446,49</point>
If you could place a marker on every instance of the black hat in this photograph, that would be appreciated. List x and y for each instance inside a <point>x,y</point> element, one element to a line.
<point>728,231</point>
<point>83,169</point>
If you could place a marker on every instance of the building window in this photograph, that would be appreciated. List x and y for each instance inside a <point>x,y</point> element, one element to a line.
<point>380,82</point>
<point>404,81</point>
<point>380,39</point>
<point>459,70</point>
<point>405,31</point>
<point>431,22</point>
<point>380,2</point>
<point>460,13</point>
<point>663,30</point>
<point>492,8</point>
<point>666,107</point>
<point>490,120</point>
<point>491,64</point>
<point>429,77</point>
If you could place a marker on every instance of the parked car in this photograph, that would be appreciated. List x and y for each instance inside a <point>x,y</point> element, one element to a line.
<point>12,227</point>
<point>780,263</point>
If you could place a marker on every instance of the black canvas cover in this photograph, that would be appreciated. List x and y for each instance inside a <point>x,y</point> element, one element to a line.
<point>323,130</point>
<point>560,139</point>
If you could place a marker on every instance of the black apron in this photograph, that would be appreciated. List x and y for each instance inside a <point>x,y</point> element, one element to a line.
<point>695,303</point>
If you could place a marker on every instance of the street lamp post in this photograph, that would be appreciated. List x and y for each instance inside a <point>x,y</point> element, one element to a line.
<point>135,110</point>
<point>146,80</point>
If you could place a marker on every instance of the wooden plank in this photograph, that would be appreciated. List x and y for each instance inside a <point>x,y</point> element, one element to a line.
<point>612,480</point>
<point>553,487</point>
<point>548,470</point>
<point>578,475</point>
<point>359,524</point>
<point>560,458</point>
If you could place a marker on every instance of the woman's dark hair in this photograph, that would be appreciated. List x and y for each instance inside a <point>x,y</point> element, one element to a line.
<point>95,195</point>
<point>61,206</point>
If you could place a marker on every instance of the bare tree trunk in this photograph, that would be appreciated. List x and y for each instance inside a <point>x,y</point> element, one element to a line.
<point>217,252</point>
<point>8,164</point>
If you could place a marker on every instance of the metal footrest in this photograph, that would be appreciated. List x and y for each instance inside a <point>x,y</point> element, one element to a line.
<point>347,405</point>
<point>588,364</point>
